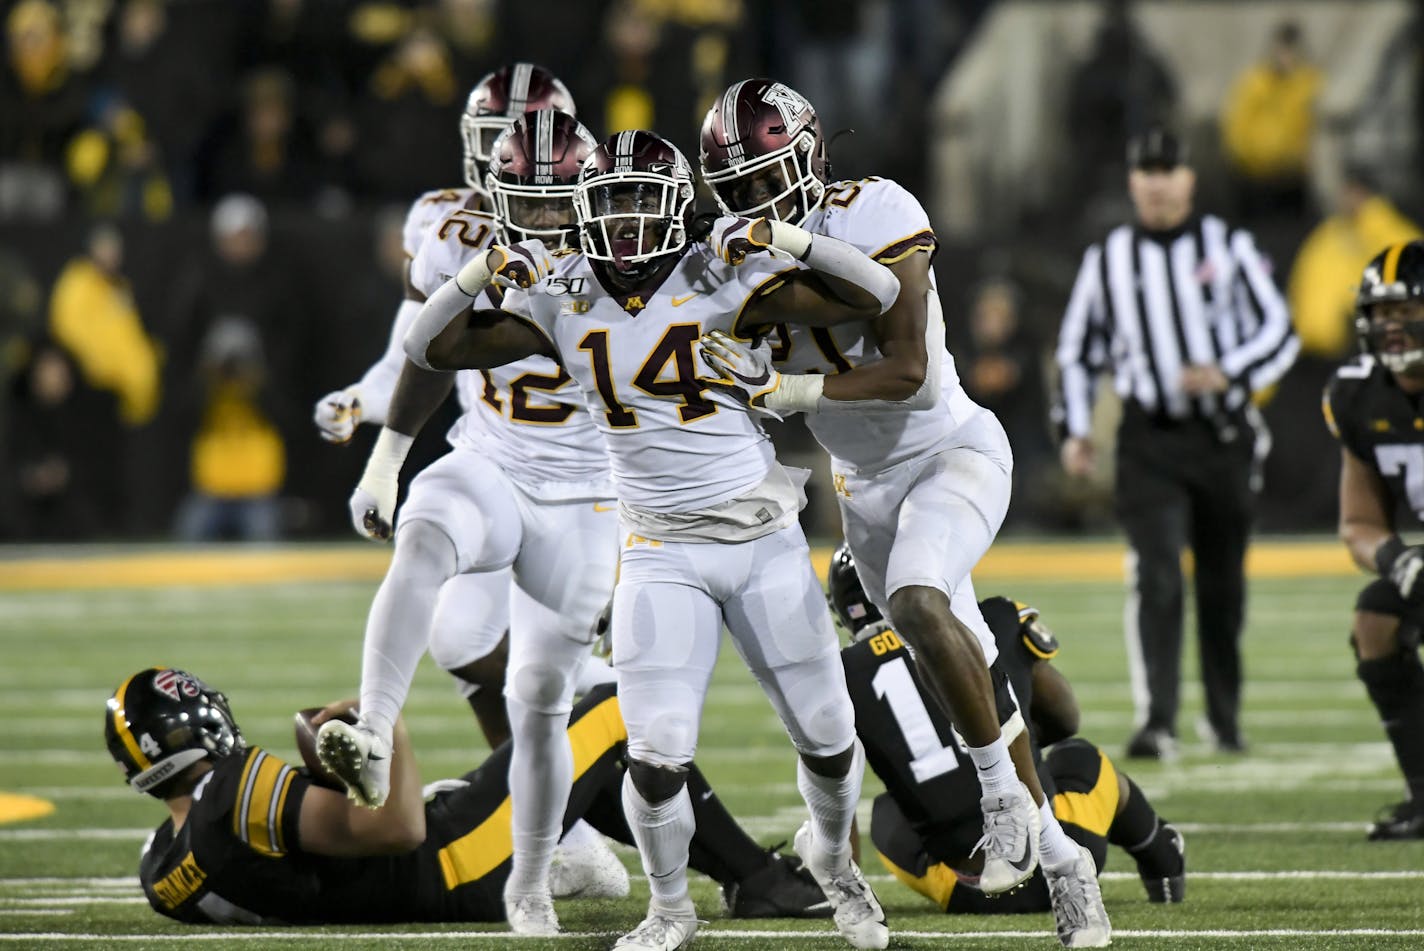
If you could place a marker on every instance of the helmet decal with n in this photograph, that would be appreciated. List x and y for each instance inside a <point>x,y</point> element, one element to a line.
<point>1394,276</point>
<point>161,721</point>
<point>634,201</point>
<point>533,168</point>
<point>763,154</point>
<point>496,101</point>
<point>849,602</point>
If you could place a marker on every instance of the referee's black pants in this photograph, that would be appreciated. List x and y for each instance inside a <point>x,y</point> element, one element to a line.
<point>1185,483</point>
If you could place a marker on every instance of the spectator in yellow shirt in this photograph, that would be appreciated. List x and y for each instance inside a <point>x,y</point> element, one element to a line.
<point>93,317</point>
<point>1267,123</point>
<point>1327,267</point>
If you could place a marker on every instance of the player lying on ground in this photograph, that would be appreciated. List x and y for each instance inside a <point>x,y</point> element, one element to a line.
<point>253,840</point>
<point>925,825</point>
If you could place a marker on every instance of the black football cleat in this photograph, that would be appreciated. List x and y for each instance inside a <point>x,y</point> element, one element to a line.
<point>1152,743</point>
<point>1402,821</point>
<point>1170,888</point>
<point>782,888</point>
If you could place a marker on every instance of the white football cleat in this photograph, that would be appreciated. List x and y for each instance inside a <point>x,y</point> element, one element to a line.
<point>1078,903</point>
<point>360,757</point>
<point>1010,840</point>
<point>858,914</point>
<point>588,870</point>
<point>659,931</point>
<point>531,915</point>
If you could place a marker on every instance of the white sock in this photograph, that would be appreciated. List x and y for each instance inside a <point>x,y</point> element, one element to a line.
<point>541,773</point>
<point>1054,846</point>
<point>398,625</point>
<point>581,835</point>
<point>996,768</point>
<point>663,833</point>
<point>832,802</point>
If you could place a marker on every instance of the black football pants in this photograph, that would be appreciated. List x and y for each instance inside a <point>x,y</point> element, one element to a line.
<point>1185,484</point>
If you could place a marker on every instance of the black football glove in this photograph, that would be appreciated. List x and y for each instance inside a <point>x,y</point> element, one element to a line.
<point>1404,567</point>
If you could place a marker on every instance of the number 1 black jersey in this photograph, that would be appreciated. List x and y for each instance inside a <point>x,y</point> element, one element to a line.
<point>1381,425</point>
<point>912,746</point>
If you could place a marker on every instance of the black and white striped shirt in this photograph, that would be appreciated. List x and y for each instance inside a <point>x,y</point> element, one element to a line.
<point>1146,305</point>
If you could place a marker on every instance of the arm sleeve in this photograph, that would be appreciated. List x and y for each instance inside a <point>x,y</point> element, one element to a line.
<point>1082,347</point>
<point>1264,355</point>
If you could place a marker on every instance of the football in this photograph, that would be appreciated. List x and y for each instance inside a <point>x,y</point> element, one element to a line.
<point>305,732</point>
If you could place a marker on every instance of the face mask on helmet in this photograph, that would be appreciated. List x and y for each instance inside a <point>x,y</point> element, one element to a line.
<point>1394,332</point>
<point>533,169</point>
<point>778,185</point>
<point>762,152</point>
<point>630,218</point>
<point>161,721</point>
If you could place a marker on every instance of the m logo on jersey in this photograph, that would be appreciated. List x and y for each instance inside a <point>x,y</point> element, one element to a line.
<point>175,684</point>
<point>788,102</point>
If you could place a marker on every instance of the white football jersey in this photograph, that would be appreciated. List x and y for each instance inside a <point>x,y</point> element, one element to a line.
<point>674,446</point>
<point>884,221</point>
<point>528,416</point>
<point>429,209</point>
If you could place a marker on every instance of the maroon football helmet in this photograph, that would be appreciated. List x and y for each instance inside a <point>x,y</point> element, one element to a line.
<point>533,168</point>
<point>496,101</point>
<point>634,200</point>
<point>763,153</point>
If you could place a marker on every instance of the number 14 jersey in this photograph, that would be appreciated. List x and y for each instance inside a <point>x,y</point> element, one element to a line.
<point>674,446</point>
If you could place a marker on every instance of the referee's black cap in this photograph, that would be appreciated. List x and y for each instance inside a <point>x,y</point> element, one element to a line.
<point>1156,149</point>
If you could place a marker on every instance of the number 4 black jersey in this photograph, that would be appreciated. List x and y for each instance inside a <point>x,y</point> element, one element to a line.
<point>1381,425</point>
<point>912,746</point>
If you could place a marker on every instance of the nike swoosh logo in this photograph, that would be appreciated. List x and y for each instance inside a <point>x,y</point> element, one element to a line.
<point>707,795</point>
<point>600,507</point>
<point>679,301</point>
<point>374,757</point>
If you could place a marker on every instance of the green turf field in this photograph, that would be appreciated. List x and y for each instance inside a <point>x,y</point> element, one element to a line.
<point>1276,848</point>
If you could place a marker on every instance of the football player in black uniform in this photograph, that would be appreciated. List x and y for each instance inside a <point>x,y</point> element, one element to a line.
<point>253,840</point>
<point>925,825</point>
<point>1375,407</point>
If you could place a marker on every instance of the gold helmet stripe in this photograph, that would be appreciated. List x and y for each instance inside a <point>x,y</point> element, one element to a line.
<point>1391,263</point>
<point>121,726</point>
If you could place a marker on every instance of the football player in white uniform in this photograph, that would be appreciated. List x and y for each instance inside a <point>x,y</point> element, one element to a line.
<point>923,479</point>
<point>708,518</point>
<point>526,485</point>
<point>472,611</point>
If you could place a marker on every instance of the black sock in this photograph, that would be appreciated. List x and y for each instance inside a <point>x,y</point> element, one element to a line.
<point>1396,685</point>
<point>1138,829</point>
<point>719,848</point>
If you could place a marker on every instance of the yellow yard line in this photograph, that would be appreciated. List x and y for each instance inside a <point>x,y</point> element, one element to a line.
<point>1009,560</point>
<point>15,807</point>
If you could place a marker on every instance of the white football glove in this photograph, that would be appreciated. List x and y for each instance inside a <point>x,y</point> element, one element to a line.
<point>373,504</point>
<point>338,414</point>
<point>747,373</point>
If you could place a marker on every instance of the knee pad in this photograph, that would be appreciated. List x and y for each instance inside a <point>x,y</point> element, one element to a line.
<point>656,782</point>
<point>668,740</point>
<point>424,549</point>
<point>1393,682</point>
<point>829,731</point>
<point>541,689</point>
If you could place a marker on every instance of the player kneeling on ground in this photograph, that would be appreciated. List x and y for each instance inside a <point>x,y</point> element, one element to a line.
<point>925,825</point>
<point>253,840</point>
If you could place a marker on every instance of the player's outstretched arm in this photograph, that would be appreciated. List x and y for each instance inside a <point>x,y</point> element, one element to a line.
<point>331,824</point>
<point>1054,709</point>
<point>448,334</point>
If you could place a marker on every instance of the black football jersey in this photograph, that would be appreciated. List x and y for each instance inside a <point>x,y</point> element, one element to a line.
<point>1381,425</point>
<point>238,857</point>
<point>912,746</point>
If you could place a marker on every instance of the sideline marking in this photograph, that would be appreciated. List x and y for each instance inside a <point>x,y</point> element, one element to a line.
<point>17,807</point>
<point>140,568</point>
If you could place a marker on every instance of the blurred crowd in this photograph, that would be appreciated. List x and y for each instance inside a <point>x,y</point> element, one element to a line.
<point>200,205</point>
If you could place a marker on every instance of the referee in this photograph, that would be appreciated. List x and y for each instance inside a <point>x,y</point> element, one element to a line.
<point>1181,309</point>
